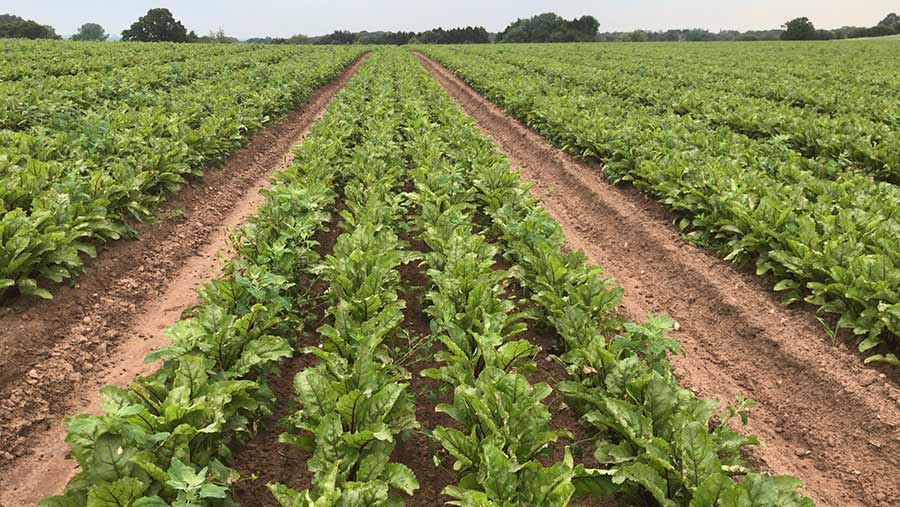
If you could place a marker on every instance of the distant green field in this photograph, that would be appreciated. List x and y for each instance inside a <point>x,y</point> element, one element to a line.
<point>783,155</point>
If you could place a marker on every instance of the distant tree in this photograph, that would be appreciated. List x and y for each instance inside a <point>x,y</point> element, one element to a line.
<point>823,35</point>
<point>637,36</point>
<point>880,31</point>
<point>297,39</point>
<point>467,35</point>
<point>384,38</point>
<point>399,38</point>
<point>340,37</point>
<point>728,35</point>
<point>890,20</point>
<point>699,35</point>
<point>158,25</point>
<point>586,25</point>
<point>799,29</point>
<point>775,34</point>
<point>550,27</point>
<point>19,28</point>
<point>91,31</point>
<point>855,32</point>
<point>842,32</point>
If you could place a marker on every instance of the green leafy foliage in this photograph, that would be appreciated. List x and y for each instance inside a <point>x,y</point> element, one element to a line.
<point>408,164</point>
<point>656,443</point>
<point>87,148</point>
<point>502,425</point>
<point>354,402</point>
<point>167,439</point>
<point>763,176</point>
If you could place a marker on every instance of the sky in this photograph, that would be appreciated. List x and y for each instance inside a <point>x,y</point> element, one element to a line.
<point>282,18</point>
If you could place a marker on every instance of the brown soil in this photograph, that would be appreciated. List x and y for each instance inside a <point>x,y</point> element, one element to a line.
<point>416,452</point>
<point>264,459</point>
<point>823,415</point>
<point>563,417</point>
<point>55,354</point>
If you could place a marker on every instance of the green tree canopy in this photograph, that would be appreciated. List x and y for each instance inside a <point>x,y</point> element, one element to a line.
<point>158,25</point>
<point>19,28</point>
<point>467,35</point>
<point>91,31</point>
<point>799,29</point>
<point>337,37</point>
<point>550,27</point>
<point>890,20</point>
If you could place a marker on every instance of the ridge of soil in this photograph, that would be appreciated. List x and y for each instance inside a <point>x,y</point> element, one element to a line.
<point>55,354</point>
<point>823,415</point>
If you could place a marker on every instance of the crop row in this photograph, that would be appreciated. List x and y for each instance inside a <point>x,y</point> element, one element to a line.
<point>503,427</point>
<point>848,139</point>
<point>829,237</point>
<point>806,77</point>
<point>60,104</point>
<point>354,402</point>
<point>75,183</point>
<point>167,439</point>
<point>656,440</point>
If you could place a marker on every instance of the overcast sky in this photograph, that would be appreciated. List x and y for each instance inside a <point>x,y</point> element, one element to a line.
<point>249,18</point>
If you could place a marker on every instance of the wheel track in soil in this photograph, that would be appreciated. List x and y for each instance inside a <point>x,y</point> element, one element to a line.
<point>54,355</point>
<point>823,416</point>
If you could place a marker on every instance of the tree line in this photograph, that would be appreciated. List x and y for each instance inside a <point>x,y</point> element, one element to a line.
<point>803,29</point>
<point>18,28</point>
<point>467,35</point>
<point>547,27</point>
<point>795,29</point>
<point>159,25</point>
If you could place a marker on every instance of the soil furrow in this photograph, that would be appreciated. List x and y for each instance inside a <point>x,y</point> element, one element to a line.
<point>824,416</point>
<point>54,355</point>
<point>264,459</point>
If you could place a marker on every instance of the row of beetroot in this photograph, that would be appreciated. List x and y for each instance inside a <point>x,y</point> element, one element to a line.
<point>167,439</point>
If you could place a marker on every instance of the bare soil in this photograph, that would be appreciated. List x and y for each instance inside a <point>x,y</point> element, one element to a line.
<point>823,415</point>
<point>55,354</point>
<point>418,449</point>
<point>264,459</point>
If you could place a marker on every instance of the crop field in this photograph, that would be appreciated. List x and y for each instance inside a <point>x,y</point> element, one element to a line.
<point>91,139</point>
<point>483,275</point>
<point>781,171</point>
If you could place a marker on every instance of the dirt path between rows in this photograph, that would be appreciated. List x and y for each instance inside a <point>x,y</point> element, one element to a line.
<point>54,355</point>
<point>823,415</point>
